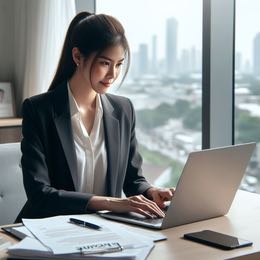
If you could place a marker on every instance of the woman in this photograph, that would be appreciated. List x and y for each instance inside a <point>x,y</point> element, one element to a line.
<point>79,150</point>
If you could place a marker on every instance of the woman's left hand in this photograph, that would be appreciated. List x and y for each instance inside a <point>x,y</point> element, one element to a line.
<point>160,195</point>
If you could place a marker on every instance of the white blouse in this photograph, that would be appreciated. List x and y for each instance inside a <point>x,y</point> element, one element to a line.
<point>90,150</point>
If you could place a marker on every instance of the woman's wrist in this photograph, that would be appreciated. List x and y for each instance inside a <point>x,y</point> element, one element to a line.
<point>97,203</point>
<point>149,193</point>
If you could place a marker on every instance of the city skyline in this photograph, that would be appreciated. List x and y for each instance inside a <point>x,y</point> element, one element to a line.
<point>180,61</point>
<point>140,30</point>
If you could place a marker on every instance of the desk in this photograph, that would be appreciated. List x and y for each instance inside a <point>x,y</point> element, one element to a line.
<point>10,130</point>
<point>243,220</point>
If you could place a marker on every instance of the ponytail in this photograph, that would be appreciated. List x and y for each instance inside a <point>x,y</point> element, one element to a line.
<point>66,66</point>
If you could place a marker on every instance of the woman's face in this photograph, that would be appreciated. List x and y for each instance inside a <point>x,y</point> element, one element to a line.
<point>106,68</point>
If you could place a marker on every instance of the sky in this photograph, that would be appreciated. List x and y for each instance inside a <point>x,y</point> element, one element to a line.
<point>247,25</point>
<point>143,18</point>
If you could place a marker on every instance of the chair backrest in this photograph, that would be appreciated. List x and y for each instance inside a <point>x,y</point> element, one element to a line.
<point>12,194</point>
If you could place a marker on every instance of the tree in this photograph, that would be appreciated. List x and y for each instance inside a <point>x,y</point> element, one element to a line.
<point>192,119</point>
<point>248,128</point>
<point>180,108</point>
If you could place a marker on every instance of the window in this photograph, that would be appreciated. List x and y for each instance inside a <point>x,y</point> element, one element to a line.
<point>164,81</point>
<point>247,85</point>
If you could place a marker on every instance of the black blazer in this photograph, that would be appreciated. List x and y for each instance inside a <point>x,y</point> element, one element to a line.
<point>49,157</point>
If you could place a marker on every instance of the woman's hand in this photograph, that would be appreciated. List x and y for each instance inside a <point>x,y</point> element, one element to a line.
<point>138,204</point>
<point>160,195</point>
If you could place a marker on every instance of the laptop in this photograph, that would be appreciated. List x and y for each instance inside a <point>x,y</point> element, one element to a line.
<point>206,188</point>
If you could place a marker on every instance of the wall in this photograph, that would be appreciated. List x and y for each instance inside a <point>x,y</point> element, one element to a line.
<point>6,40</point>
<point>83,5</point>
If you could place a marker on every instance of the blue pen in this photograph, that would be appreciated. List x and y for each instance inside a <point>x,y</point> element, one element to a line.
<point>84,223</point>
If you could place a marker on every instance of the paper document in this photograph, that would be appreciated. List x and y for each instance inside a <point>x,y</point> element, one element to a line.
<point>62,237</point>
<point>31,248</point>
<point>23,230</point>
<point>19,232</point>
<point>146,234</point>
<point>57,238</point>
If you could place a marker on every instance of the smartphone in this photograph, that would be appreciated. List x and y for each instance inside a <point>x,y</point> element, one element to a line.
<point>217,239</point>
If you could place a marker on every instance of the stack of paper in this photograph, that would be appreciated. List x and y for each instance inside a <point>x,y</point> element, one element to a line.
<point>56,238</point>
<point>31,248</point>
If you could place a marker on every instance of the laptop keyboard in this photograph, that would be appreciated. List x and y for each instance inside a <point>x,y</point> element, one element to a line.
<point>133,217</point>
<point>152,220</point>
<point>142,218</point>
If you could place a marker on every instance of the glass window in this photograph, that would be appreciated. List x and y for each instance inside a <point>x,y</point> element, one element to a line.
<point>164,81</point>
<point>247,85</point>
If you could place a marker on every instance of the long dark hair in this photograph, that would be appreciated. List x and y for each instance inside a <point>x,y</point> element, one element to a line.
<point>89,33</point>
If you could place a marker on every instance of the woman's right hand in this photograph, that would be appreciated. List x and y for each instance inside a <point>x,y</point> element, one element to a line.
<point>138,204</point>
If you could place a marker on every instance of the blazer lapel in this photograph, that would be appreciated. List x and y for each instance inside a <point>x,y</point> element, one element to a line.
<point>62,121</point>
<point>112,140</point>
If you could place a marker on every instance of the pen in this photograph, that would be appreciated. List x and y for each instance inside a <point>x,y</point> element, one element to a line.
<point>84,223</point>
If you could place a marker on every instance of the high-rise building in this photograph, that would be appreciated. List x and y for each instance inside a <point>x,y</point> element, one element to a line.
<point>154,55</point>
<point>195,59</point>
<point>143,59</point>
<point>256,55</point>
<point>185,62</point>
<point>134,67</point>
<point>189,61</point>
<point>171,46</point>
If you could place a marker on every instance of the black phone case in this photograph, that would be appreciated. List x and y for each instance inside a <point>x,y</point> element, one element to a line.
<point>193,237</point>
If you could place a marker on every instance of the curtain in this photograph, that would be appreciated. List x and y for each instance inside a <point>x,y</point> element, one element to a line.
<point>40,27</point>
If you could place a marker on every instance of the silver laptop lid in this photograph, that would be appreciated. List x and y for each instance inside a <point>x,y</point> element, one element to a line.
<point>208,184</point>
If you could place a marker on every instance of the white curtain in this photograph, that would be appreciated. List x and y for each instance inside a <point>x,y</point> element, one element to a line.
<point>40,28</point>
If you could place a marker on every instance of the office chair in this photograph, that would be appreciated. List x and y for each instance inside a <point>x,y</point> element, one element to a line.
<point>12,194</point>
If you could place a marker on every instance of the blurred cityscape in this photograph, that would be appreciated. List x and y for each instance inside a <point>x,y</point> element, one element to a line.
<point>166,93</point>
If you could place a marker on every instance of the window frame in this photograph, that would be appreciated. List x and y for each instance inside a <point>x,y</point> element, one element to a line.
<point>218,63</point>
